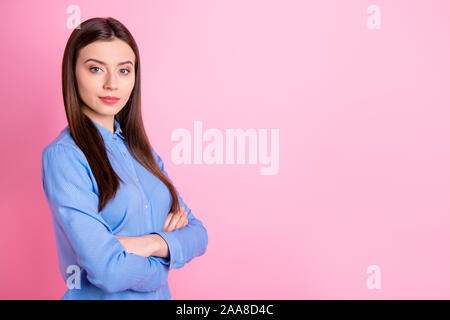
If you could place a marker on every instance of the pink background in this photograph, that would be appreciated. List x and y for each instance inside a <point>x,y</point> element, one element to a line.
<point>363,115</point>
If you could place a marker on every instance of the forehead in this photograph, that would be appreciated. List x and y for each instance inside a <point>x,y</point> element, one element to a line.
<point>111,52</point>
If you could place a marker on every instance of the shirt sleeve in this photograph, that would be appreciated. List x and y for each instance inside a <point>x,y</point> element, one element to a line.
<point>187,242</point>
<point>74,205</point>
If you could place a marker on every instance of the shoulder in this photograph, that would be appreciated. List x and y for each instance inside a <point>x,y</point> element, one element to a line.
<point>63,147</point>
<point>64,163</point>
<point>153,151</point>
<point>156,156</point>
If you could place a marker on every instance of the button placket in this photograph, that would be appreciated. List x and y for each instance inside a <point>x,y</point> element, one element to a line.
<point>133,169</point>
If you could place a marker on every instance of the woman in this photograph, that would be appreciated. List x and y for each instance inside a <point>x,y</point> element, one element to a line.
<point>119,222</point>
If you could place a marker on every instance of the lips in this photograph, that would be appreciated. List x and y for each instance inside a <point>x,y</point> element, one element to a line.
<point>109,99</point>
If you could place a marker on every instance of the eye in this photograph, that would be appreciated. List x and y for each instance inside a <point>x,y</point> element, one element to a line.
<point>94,68</point>
<point>127,71</point>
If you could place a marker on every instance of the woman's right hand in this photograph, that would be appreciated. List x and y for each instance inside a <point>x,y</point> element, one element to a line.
<point>175,220</point>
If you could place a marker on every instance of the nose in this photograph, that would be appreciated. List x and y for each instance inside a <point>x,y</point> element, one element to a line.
<point>110,81</point>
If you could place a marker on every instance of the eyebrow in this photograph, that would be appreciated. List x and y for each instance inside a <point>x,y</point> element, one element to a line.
<point>101,62</point>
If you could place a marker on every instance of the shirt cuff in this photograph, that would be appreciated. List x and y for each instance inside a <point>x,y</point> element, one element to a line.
<point>164,261</point>
<point>175,259</point>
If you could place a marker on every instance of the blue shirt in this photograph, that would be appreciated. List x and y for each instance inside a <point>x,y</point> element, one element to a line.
<point>92,261</point>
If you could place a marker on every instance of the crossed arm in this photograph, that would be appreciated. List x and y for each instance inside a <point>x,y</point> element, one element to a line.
<point>153,244</point>
<point>82,230</point>
<point>109,260</point>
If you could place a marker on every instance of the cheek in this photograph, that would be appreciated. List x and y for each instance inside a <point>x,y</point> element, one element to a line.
<point>127,87</point>
<point>88,87</point>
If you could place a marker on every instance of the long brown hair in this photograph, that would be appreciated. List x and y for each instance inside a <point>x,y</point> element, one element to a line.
<point>83,130</point>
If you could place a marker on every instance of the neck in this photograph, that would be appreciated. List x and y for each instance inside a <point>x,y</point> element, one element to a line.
<point>106,121</point>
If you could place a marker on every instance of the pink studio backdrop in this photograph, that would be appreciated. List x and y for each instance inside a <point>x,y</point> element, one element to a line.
<point>364,127</point>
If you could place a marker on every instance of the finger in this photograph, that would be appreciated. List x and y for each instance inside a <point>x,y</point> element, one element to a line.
<point>186,220</point>
<point>169,217</point>
<point>173,222</point>
<point>182,222</point>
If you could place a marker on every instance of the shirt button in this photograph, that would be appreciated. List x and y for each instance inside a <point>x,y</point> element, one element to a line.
<point>137,179</point>
<point>146,206</point>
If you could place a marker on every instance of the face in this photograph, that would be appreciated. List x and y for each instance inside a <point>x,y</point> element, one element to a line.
<point>105,68</point>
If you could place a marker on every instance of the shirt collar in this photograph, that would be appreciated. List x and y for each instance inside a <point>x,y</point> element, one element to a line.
<point>108,135</point>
